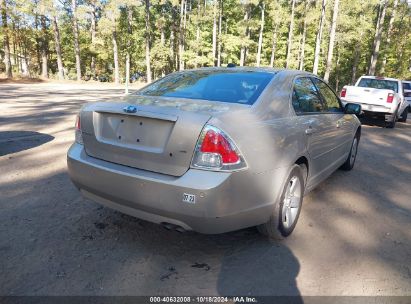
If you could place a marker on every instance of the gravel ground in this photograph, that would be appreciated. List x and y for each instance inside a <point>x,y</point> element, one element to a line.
<point>353,237</point>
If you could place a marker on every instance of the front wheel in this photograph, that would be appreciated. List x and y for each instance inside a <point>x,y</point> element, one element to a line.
<point>285,215</point>
<point>350,161</point>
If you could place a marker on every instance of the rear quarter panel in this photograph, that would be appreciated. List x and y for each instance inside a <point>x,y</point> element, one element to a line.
<point>269,137</point>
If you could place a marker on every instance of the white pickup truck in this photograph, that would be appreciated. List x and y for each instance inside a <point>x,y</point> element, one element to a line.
<point>406,85</point>
<point>379,97</point>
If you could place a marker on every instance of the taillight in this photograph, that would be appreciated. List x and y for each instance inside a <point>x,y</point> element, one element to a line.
<point>390,97</point>
<point>78,134</point>
<point>343,92</point>
<point>215,150</point>
<point>78,126</point>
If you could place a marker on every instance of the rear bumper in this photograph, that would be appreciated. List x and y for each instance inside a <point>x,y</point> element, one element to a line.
<point>379,115</point>
<point>224,201</point>
<point>373,108</point>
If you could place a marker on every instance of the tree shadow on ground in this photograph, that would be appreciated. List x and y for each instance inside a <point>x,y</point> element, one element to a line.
<point>259,268</point>
<point>16,141</point>
<point>57,243</point>
<point>368,121</point>
<point>351,236</point>
<point>25,80</point>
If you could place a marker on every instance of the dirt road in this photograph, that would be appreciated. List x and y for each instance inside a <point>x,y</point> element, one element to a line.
<point>353,237</point>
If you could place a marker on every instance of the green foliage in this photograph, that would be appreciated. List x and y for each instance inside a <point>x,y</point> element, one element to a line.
<point>355,33</point>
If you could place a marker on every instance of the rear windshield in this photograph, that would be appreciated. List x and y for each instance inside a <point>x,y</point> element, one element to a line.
<point>406,86</point>
<point>379,84</point>
<point>225,86</point>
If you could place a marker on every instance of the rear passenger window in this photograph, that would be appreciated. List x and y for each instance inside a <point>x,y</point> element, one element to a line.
<point>305,97</point>
<point>332,104</point>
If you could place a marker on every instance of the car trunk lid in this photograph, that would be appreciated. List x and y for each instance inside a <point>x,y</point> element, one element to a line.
<point>160,136</point>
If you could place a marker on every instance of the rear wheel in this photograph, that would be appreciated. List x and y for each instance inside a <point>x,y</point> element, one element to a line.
<point>404,115</point>
<point>391,124</point>
<point>285,215</point>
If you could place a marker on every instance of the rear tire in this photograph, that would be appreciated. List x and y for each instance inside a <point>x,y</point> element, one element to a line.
<point>404,115</point>
<point>286,213</point>
<point>391,124</point>
<point>349,163</point>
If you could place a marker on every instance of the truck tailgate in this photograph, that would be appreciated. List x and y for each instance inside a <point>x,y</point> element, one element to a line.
<point>370,99</point>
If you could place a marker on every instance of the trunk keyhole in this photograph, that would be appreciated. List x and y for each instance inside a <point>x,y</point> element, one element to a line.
<point>122,120</point>
<point>141,123</point>
<point>138,140</point>
<point>171,154</point>
<point>119,137</point>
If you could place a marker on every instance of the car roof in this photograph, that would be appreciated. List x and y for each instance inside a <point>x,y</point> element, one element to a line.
<point>284,72</point>
<point>380,78</point>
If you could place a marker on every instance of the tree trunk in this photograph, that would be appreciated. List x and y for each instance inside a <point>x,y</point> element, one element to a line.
<point>26,65</point>
<point>115,53</point>
<point>389,33</point>
<point>14,39</point>
<point>337,71</point>
<point>290,35</point>
<point>331,43</point>
<point>181,38</point>
<point>220,21</point>
<point>198,31</point>
<point>23,67</point>
<point>260,37</point>
<point>6,44</point>
<point>274,45</point>
<point>20,51</point>
<point>302,54</point>
<point>319,37</point>
<point>44,48</point>
<point>58,48</point>
<point>127,71</point>
<point>76,39</point>
<point>163,43</point>
<point>214,32</point>
<point>357,51</point>
<point>184,29</point>
<point>355,63</point>
<point>173,61</point>
<point>148,35</point>
<point>38,57</point>
<point>93,30</point>
<point>377,37</point>
<point>299,48</point>
<point>244,47</point>
<point>128,60</point>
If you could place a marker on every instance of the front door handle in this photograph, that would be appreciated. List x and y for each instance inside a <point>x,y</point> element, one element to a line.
<point>341,123</point>
<point>309,131</point>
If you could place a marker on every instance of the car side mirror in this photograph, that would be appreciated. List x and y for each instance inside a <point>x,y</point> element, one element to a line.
<point>352,108</point>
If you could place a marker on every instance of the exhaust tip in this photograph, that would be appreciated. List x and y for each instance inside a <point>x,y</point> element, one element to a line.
<point>180,229</point>
<point>167,226</point>
<point>170,226</point>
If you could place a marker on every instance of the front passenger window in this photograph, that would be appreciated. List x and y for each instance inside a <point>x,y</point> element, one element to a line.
<point>332,103</point>
<point>305,97</point>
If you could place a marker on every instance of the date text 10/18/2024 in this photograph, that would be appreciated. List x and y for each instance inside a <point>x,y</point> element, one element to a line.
<point>203,299</point>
